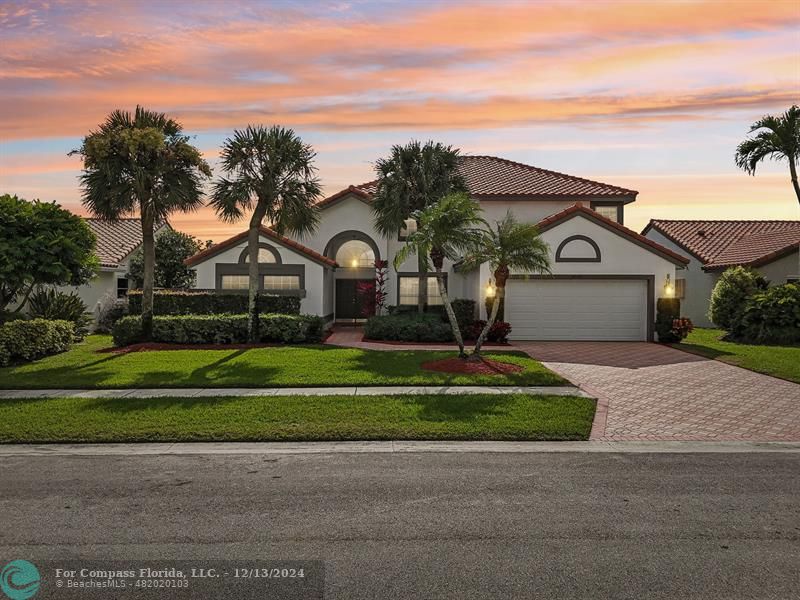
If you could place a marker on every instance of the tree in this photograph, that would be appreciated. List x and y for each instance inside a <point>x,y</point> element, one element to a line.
<point>172,248</point>
<point>41,244</point>
<point>778,138</point>
<point>509,245</point>
<point>730,294</point>
<point>411,178</point>
<point>271,174</point>
<point>446,229</point>
<point>141,163</point>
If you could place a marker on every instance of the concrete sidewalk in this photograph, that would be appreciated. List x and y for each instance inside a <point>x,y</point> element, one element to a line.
<point>396,390</point>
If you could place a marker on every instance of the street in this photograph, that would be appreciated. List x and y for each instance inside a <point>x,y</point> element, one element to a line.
<point>428,525</point>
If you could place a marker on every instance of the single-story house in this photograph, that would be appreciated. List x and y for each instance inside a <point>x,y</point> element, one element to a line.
<point>605,282</point>
<point>771,247</point>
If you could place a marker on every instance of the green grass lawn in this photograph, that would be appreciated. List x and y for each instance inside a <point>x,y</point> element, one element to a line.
<point>295,418</point>
<point>780,361</point>
<point>280,366</point>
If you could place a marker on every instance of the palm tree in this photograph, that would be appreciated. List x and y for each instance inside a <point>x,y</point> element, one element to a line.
<point>445,229</point>
<point>778,138</point>
<point>141,163</point>
<point>409,179</point>
<point>271,174</point>
<point>509,245</point>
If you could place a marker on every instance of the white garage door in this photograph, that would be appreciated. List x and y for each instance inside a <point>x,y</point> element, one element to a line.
<point>577,309</point>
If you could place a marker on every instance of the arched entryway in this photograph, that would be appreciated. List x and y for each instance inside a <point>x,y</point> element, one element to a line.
<point>355,254</point>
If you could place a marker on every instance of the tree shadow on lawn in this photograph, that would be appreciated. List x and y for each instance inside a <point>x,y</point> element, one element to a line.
<point>464,408</point>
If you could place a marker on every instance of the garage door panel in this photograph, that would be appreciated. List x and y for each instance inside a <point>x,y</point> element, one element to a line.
<point>580,309</point>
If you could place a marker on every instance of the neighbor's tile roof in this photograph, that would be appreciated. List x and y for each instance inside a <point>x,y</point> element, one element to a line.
<point>721,244</point>
<point>266,231</point>
<point>490,177</point>
<point>116,240</point>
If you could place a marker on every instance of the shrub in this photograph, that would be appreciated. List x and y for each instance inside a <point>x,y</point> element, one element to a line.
<point>465,312</point>
<point>667,311</point>
<point>770,317</point>
<point>681,327</point>
<point>219,329</point>
<point>410,327</point>
<point>498,332</point>
<point>209,302</point>
<point>28,340</point>
<point>730,295</point>
<point>54,305</point>
<point>111,310</point>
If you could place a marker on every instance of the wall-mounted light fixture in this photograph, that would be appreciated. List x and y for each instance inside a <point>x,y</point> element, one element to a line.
<point>490,289</point>
<point>669,289</point>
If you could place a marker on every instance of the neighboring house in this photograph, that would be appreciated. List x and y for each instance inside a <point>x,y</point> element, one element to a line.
<point>771,247</point>
<point>606,277</point>
<point>116,241</point>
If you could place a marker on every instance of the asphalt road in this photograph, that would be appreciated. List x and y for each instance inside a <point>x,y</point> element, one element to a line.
<point>554,526</point>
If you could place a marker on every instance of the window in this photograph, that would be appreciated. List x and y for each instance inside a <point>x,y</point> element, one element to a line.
<point>281,282</point>
<point>265,255</point>
<point>355,254</point>
<point>122,287</point>
<point>235,282</point>
<point>609,211</point>
<point>409,291</point>
<point>680,288</point>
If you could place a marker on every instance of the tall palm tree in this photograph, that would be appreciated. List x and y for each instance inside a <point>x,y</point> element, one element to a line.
<point>271,173</point>
<point>778,138</point>
<point>446,229</point>
<point>141,163</point>
<point>409,179</point>
<point>508,245</point>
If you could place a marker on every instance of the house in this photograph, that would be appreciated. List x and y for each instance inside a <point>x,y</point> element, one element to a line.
<point>116,242</point>
<point>605,282</point>
<point>771,247</point>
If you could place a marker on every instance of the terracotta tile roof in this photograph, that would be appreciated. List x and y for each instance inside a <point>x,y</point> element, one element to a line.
<point>116,240</point>
<point>720,244</point>
<point>493,178</point>
<point>648,244</point>
<point>266,231</point>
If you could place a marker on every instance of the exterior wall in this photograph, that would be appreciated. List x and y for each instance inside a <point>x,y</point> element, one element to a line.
<point>779,270</point>
<point>527,211</point>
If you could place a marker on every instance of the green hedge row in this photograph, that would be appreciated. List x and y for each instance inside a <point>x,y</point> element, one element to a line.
<point>204,302</point>
<point>408,328</point>
<point>770,317</point>
<point>24,340</point>
<point>219,329</point>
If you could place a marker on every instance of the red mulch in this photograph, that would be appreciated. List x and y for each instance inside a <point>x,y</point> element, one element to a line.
<point>483,366</point>
<point>149,346</point>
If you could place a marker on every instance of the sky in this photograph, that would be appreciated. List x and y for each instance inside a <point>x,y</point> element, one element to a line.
<point>648,95</point>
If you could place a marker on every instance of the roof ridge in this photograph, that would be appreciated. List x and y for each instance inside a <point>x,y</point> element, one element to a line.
<point>795,221</point>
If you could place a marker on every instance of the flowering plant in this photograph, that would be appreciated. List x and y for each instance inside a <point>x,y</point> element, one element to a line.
<point>681,327</point>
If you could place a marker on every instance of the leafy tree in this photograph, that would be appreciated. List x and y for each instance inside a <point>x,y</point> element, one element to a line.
<point>41,244</point>
<point>141,163</point>
<point>172,248</point>
<point>271,173</point>
<point>508,245</point>
<point>411,178</point>
<point>730,294</point>
<point>446,229</point>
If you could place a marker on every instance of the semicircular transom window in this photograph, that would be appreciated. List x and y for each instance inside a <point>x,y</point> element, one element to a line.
<point>265,255</point>
<point>355,254</point>
<point>578,248</point>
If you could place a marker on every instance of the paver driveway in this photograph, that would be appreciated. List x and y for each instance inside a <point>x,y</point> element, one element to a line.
<point>652,392</point>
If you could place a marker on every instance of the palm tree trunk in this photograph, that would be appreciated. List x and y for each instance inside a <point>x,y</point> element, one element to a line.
<point>498,299</point>
<point>793,172</point>
<point>148,277</point>
<point>422,285</point>
<point>252,288</point>
<point>451,316</point>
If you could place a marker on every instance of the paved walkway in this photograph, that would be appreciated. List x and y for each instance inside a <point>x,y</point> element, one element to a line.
<point>653,392</point>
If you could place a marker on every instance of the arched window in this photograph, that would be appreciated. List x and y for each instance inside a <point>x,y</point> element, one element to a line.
<point>266,255</point>
<point>355,254</point>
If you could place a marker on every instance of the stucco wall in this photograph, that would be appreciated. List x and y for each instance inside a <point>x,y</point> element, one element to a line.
<point>778,270</point>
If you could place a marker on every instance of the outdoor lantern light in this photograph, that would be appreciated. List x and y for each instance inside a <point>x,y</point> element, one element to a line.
<point>669,290</point>
<point>490,289</point>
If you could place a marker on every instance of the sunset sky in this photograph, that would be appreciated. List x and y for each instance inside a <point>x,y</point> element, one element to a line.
<point>652,96</point>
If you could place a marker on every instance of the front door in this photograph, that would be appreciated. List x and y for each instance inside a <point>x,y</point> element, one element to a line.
<point>349,305</point>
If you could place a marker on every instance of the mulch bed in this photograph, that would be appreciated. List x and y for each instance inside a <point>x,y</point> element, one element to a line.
<point>483,366</point>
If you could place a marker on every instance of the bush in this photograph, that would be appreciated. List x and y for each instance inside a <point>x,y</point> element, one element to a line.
<point>111,310</point>
<point>770,317</point>
<point>667,311</point>
<point>206,302</point>
<point>219,329</point>
<point>408,328</point>
<point>730,295</point>
<point>465,312</point>
<point>28,340</point>
<point>498,332</point>
<point>54,305</point>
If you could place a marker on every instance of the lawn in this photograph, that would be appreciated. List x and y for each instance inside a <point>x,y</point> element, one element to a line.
<point>780,361</point>
<point>85,366</point>
<point>296,418</point>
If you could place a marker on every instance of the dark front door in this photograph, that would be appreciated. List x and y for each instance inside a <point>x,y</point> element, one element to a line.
<point>348,301</point>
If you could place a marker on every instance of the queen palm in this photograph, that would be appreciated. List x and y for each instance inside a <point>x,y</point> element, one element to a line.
<point>271,173</point>
<point>409,179</point>
<point>141,163</point>
<point>445,230</point>
<point>508,245</point>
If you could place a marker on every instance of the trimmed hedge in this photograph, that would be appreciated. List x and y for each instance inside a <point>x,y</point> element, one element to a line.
<point>408,328</point>
<point>667,310</point>
<point>465,312</point>
<point>770,317</point>
<point>25,340</point>
<point>219,329</point>
<point>209,302</point>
